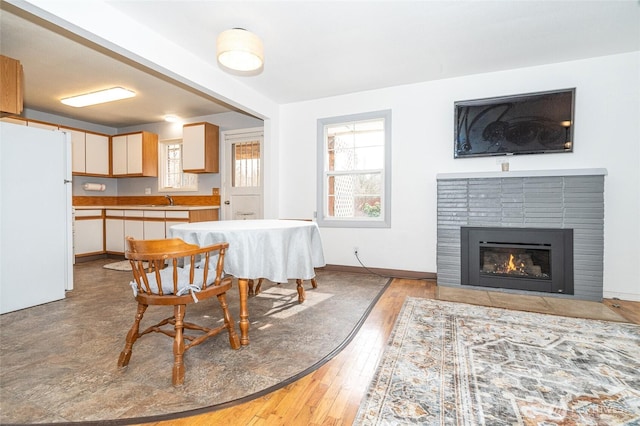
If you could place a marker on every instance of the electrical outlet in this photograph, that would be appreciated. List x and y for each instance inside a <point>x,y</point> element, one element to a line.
<point>147,191</point>
<point>355,251</point>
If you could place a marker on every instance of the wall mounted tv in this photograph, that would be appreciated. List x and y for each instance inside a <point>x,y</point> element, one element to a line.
<point>531,123</point>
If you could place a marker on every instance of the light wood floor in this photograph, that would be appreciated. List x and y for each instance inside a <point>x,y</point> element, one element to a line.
<point>332,394</point>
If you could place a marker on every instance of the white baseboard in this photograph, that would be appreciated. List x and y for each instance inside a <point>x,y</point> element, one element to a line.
<point>622,296</point>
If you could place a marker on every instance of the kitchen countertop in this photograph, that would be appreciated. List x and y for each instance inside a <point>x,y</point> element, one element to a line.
<point>147,207</point>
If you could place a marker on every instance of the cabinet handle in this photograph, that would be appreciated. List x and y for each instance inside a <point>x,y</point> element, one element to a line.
<point>227,202</point>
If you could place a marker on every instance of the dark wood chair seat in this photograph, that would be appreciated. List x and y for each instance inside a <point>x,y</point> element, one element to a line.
<point>173,273</point>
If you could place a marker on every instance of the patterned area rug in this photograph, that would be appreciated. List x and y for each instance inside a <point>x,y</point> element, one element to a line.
<point>452,363</point>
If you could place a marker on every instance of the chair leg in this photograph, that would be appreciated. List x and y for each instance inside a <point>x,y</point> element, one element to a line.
<point>301,295</point>
<point>314,284</point>
<point>178,346</point>
<point>234,340</point>
<point>132,336</point>
<point>255,292</point>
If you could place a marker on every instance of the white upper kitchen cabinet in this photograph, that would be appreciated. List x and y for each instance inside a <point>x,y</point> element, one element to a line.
<point>200,148</point>
<point>96,154</point>
<point>78,150</point>
<point>90,153</point>
<point>135,154</point>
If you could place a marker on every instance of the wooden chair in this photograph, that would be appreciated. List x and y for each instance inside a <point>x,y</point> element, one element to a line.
<point>300,288</point>
<point>173,273</point>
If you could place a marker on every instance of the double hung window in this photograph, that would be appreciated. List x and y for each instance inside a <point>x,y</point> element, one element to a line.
<point>170,175</point>
<point>355,170</point>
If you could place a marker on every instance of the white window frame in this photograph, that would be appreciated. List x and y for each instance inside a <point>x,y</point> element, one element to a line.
<point>162,169</point>
<point>382,221</point>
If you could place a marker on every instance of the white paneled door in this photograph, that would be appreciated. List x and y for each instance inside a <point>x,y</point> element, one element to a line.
<point>242,192</point>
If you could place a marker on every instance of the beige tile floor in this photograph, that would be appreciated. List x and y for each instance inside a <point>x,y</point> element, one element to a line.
<point>542,304</point>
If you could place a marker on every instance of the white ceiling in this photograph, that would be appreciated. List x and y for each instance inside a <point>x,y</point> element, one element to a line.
<point>315,49</point>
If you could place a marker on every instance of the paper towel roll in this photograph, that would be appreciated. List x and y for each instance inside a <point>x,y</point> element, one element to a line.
<point>94,186</point>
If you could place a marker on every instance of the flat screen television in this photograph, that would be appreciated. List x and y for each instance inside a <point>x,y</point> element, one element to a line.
<point>530,123</point>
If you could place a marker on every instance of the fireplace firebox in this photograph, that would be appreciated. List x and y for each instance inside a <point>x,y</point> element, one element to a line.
<point>530,259</point>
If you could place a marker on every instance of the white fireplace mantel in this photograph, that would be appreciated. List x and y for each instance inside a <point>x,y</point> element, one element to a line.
<point>522,173</point>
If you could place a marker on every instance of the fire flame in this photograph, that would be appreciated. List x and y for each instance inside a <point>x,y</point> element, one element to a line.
<point>511,266</point>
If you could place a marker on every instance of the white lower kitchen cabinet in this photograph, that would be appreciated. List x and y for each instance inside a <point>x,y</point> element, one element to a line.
<point>170,223</point>
<point>175,217</point>
<point>149,224</point>
<point>88,233</point>
<point>153,225</point>
<point>133,225</point>
<point>114,225</point>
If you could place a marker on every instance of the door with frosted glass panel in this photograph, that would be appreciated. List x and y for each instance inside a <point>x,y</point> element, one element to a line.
<point>242,195</point>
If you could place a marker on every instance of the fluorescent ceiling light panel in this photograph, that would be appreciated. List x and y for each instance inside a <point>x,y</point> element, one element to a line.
<point>100,97</point>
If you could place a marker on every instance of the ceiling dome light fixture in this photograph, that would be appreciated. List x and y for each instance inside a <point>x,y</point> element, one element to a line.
<point>240,50</point>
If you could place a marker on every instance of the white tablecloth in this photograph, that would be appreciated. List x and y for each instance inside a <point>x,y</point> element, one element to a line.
<point>273,249</point>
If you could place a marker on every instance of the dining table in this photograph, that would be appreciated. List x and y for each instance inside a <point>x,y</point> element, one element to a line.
<point>273,249</point>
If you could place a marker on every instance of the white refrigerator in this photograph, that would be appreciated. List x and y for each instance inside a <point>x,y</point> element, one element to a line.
<point>36,240</point>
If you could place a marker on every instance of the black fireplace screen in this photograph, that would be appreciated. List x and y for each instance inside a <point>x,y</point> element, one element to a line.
<point>509,260</point>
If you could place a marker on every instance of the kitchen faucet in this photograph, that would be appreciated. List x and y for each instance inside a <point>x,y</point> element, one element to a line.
<point>168,197</point>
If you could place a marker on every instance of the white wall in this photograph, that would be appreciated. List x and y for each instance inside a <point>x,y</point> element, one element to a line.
<point>607,135</point>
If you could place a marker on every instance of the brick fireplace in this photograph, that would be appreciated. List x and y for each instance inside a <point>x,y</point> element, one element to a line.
<point>532,204</point>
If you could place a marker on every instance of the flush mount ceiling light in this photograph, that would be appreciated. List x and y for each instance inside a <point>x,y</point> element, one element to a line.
<point>171,118</point>
<point>240,50</point>
<point>102,96</point>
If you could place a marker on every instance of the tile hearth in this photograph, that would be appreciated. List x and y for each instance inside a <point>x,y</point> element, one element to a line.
<point>520,302</point>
